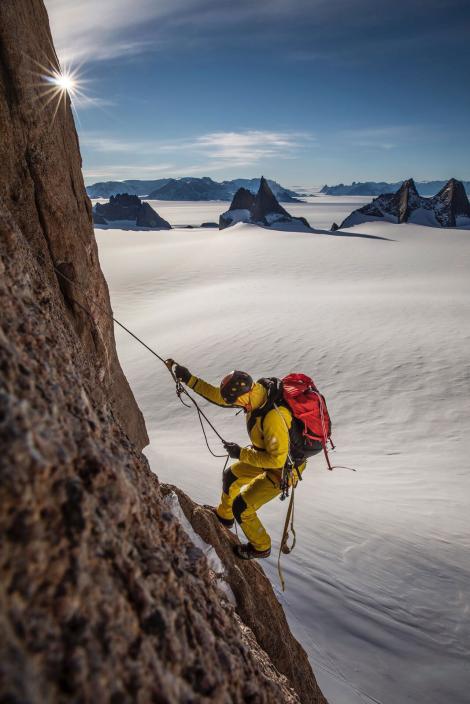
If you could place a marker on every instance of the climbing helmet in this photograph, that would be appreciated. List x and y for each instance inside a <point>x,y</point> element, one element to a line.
<point>234,385</point>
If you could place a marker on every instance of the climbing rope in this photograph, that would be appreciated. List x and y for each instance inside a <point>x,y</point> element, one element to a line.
<point>169,363</point>
<point>284,548</point>
<point>287,474</point>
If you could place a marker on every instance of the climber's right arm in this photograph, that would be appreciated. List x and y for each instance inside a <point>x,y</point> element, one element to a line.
<point>201,387</point>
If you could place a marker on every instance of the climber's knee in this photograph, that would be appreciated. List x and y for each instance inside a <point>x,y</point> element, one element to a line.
<point>228,478</point>
<point>239,505</point>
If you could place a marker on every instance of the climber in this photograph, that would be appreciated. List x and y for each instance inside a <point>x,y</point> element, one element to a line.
<point>255,478</point>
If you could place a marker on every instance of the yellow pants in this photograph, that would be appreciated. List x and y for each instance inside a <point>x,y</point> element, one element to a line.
<point>245,490</point>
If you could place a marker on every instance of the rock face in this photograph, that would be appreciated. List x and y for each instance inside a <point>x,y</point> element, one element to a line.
<point>257,605</point>
<point>243,200</point>
<point>265,203</point>
<point>131,209</point>
<point>448,208</point>
<point>147,217</point>
<point>451,204</point>
<point>41,188</point>
<point>262,209</point>
<point>103,596</point>
<point>402,203</point>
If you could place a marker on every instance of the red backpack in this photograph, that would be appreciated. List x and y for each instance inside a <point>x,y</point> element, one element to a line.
<point>310,414</point>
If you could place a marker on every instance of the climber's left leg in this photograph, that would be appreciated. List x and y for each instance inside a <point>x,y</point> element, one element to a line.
<point>258,492</point>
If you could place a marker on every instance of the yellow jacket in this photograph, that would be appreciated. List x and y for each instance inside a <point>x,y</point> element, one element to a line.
<point>269,434</point>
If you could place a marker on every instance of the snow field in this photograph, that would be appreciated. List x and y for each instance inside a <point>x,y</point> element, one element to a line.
<point>377,588</point>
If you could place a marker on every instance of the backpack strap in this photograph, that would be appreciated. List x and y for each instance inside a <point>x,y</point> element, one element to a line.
<point>273,388</point>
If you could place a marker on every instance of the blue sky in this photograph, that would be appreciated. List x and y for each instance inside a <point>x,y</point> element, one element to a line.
<point>304,91</point>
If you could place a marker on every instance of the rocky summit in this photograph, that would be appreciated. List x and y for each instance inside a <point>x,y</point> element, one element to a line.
<point>451,204</point>
<point>448,208</point>
<point>260,209</point>
<point>128,208</point>
<point>105,592</point>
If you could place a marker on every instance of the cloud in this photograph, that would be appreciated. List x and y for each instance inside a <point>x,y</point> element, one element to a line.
<point>242,148</point>
<point>380,137</point>
<point>198,155</point>
<point>113,145</point>
<point>86,31</point>
<point>121,172</point>
<point>251,146</point>
<point>208,152</point>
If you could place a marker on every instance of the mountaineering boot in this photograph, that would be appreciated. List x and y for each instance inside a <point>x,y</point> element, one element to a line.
<point>248,552</point>
<point>227,522</point>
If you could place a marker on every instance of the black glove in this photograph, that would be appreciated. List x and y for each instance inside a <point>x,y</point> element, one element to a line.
<point>233,450</point>
<point>182,373</point>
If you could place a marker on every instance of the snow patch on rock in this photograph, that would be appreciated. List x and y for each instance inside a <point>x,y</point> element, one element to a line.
<point>213,560</point>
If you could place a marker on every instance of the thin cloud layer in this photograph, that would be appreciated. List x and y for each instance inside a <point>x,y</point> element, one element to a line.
<point>209,152</point>
<point>242,148</point>
<point>386,138</point>
<point>85,31</point>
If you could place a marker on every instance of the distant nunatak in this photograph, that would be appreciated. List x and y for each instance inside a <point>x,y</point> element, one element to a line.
<point>187,189</point>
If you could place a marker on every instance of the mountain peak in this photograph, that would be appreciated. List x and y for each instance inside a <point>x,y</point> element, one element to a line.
<point>409,185</point>
<point>266,202</point>
<point>262,209</point>
<point>452,202</point>
<point>444,209</point>
<point>404,200</point>
<point>242,200</point>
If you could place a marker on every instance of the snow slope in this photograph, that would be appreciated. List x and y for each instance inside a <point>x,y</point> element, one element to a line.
<point>378,586</point>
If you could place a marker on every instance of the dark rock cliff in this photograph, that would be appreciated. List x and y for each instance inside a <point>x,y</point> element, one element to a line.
<point>41,187</point>
<point>256,603</point>
<point>103,597</point>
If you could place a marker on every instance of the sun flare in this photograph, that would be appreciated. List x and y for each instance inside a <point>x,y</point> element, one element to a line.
<point>59,84</point>
<point>65,82</point>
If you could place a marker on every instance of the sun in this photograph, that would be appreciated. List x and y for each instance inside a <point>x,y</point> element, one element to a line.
<point>65,82</point>
<point>58,85</point>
